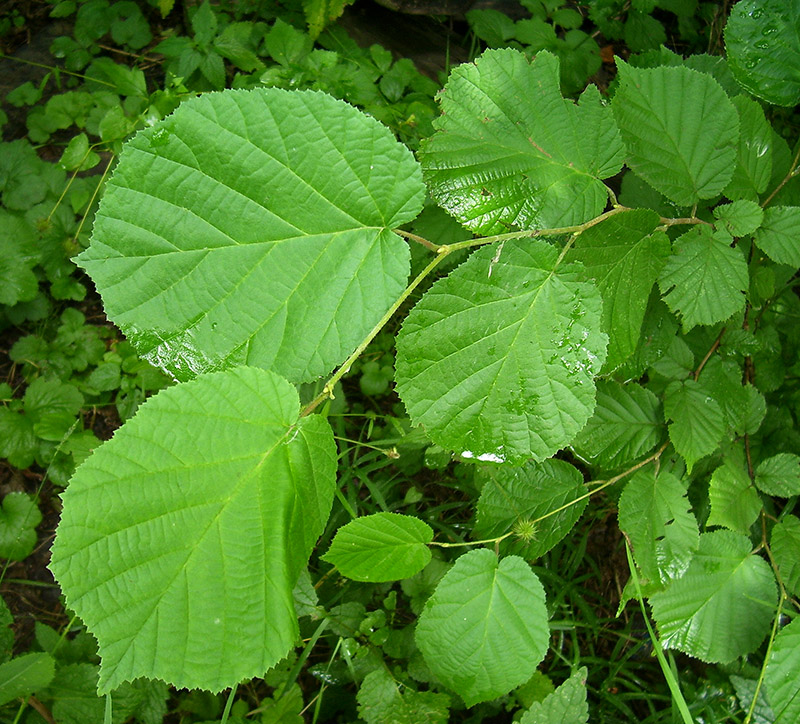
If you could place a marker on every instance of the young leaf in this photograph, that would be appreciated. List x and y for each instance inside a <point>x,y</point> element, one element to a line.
<point>24,675</point>
<point>498,359</point>
<point>779,475</point>
<point>509,151</point>
<point>780,676</point>
<point>722,606</point>
<point>734,501</point>
<point>627,423</point>
<point>380,701</point>
<point>764,49</point>
<point>654,512</point>
<point>624,255</point>
<point>680,129</point>
<point>484,630</point>
<point>740,217</point>
<point>778,236</point>
<point>697,420</point>
<point>381,547</point>
<point>705,279</point>
<point>246,216</point>
<point>193,584</point>
<point>785,542</point>
<point>566,705</point>
<point>511,495</point>
<point>754,155</point>
<point>19,516</point>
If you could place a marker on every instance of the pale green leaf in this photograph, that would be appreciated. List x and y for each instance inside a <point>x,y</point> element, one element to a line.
<point>243,230</point>
<point>627,423</point>
<point>381,547</point>
<point>705,279</point>
<point>779,475</point>
<point>25,675</point>
<point>624,255</point>
<point>698,422</point>
<point>566,705</point>
<point>498,359</point>
<point>193,583</point>
<point>484,630</point>
<point>19,516</point>
<point>785,542</point>
<point>781,675</point>
<point>734,501</point>
<point>754,153</point>
<point>320,13</point>
<point>722,606</point>
<point>778,235</point>
<point>382,701</point>
<point>680,129</point>
<point>511,495</point>
<point>654,512</point>
<point>740,217</point>
<point>509,151</point>
<point>762,38</point>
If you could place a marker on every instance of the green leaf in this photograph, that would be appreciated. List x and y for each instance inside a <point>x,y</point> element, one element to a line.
<point>680,129</point>
<point>763,45</point>
<point>780,675</point>
<point>705,279</point>
<point>52,406</point>
<point>654,512</point>
<point>734,501</point>
<point>19,516</point>
<point>624,255</point>
<point>697,423</point>
<point>778,236</point>
<point>510,496</point>
<point>380,701</point>
<point>754,154</point>
<point>566,705</point>
<point>779,475</point>
<point>381,547</point>
<point>509,151</point>
<point>242,219</point>
<point>785,542</point>
<point>740,217</point>
<point>24,675</point>
<point>484,630</point>
<point>232,492</point>
<point>498,359</point>
<point>722,606</point>
<point>320,13</point>
<point>627,423</point>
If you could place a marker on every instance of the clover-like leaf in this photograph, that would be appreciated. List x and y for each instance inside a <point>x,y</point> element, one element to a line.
<point>498,359</point>
<point>193,583</point>
<point>247,216</point>
<point>381,547</point>
<point>510,151</point>
<point>722,606</point>
<point>680,128</point>
<point>484,630</point>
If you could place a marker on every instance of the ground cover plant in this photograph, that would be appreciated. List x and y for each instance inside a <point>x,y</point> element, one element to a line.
<point>585,306</point>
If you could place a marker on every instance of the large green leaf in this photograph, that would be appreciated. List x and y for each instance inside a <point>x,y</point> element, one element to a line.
<point>381,547</point>
<point>566,705</point>
<point>509,151</point>
<point>253,227</point>
<point>624,255</point>
<point>484,630</point>
<point>498,359</point>
<point>734,501</point>
<point>705,279</point>
<point>781,675</point>
<point>779,475</point>
<point>654,512</point>
<point>722,606</point>
<point>762,38</point>
<point>193,583</point>
<point>698,422</point>
<point>680,129</point>
<point>627,423</point>
<point>754,152</point>
<point>778,235</point>
<point>785,542</point>
<point>512,496</point>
